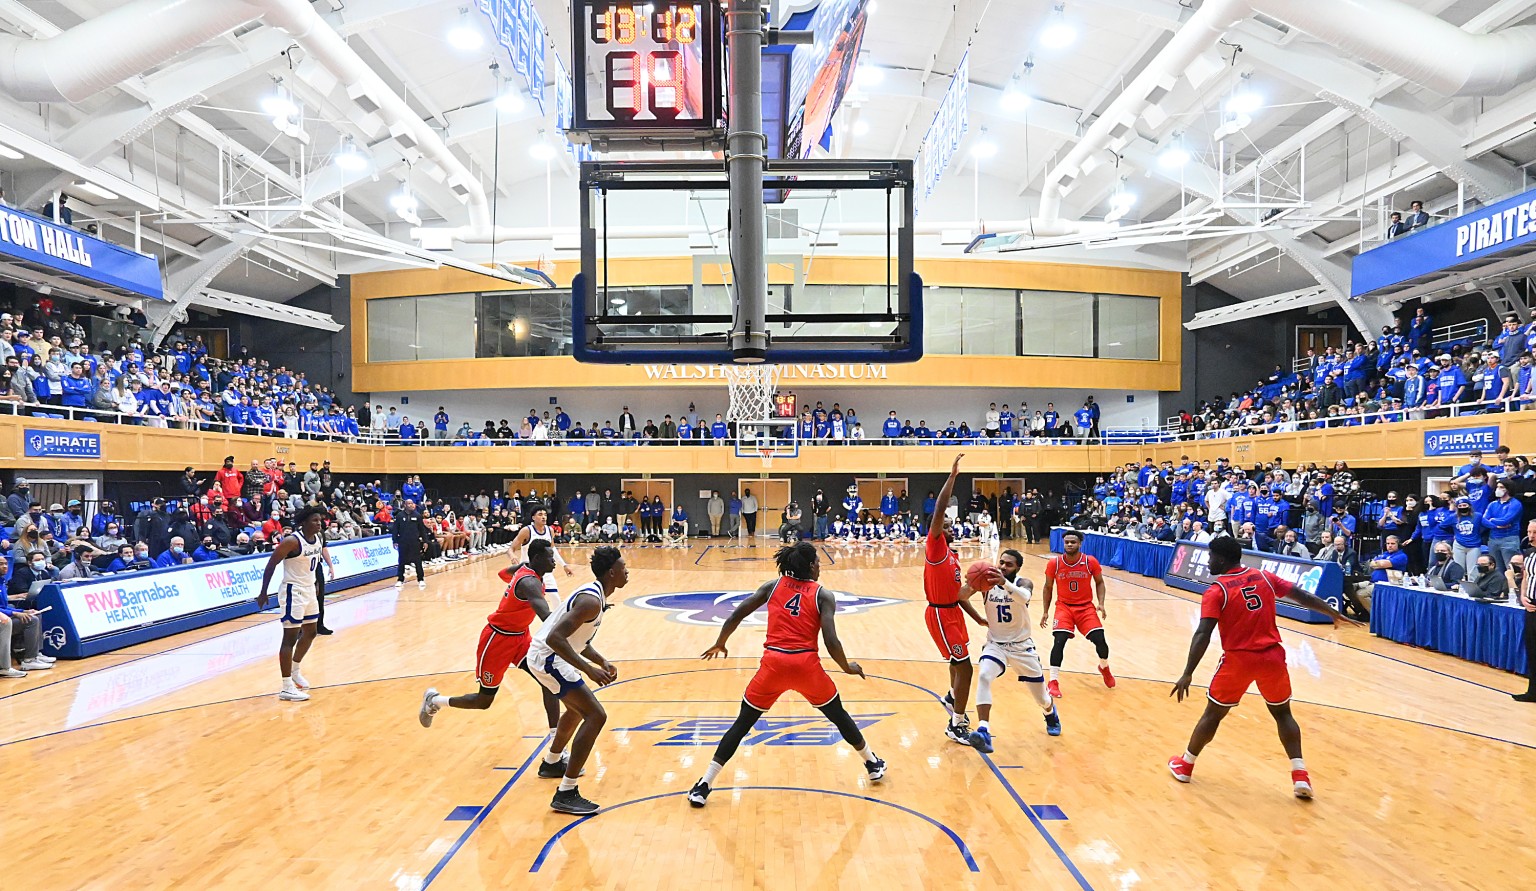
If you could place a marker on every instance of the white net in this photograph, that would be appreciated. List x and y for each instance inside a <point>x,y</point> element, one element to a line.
<point>752,388</point>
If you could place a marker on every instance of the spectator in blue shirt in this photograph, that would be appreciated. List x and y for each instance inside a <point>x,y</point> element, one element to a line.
<point>1052,418</point>
<point>1467,544</point>
<point>175,556</point>
<point>1082,419</point>
<point>407,431</point>
<point>1450,382</point>
<point>892,427</point>
<point>440,424</point>
<point>1502,520</point>
<point>719,430</point>
<point>1389,560</point>
<point>207,552</point>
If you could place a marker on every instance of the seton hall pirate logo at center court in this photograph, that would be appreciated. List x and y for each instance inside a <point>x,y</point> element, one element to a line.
<point>714,607</point>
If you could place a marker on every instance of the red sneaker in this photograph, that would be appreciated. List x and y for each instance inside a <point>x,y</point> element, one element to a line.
<point>1054,689</point>
<point>1182,770</point>
<point>1109,679</point>
<point>1302,784</point>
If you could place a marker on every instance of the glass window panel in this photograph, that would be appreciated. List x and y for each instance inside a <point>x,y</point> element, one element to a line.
<point>391,329</point>
<point>991,325</point>
<point>943,321</point>
<point>1056,323</point>
<point>1128,327</point>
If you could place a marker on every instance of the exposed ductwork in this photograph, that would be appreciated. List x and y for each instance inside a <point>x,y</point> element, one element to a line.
<point>1460,64</point>
<point>140,35</point>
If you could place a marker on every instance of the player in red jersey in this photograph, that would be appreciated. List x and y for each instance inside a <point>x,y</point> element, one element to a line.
<point>504,642</point>
<point>1076,577</point>
<point>798,610</point>
<point>1242,604</point>
<point>942,588</point>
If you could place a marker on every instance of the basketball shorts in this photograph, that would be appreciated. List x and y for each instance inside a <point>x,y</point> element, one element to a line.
<point>1076,618</point>
<point>498,651</point>
<point>1021,657</point>
<point>1240,669</point>
<point>779,672</point>
<point>553,673</point>
<point>946,625</point>
<point>300,606</point>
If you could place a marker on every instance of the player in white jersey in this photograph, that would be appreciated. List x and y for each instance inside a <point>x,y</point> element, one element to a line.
<point>1009,642</point>
<point>539,528</point>
<point>300,554</point>
<point>560,654</point>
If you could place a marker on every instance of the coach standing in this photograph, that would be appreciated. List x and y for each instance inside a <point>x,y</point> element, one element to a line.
<point>409,532</point>
<point>1526,585</point>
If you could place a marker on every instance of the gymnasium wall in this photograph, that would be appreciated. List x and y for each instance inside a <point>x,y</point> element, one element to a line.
<point>325,357</point>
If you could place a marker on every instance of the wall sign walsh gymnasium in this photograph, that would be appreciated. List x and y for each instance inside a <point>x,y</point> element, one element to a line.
<point>864,372</point>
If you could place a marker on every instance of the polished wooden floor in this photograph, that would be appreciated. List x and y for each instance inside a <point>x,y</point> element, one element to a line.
<point>175,766</point>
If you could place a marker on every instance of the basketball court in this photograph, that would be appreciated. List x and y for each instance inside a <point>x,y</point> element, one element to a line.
<point>179,767</point>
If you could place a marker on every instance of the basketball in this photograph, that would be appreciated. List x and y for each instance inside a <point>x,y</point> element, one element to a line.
<point>976,575</point>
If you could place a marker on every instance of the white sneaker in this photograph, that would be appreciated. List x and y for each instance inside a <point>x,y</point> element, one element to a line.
<point>49,659</point>
<point>299,680</point>
<point>428,707</point>
<point>35,665</point>
<point>12,673</point>
<point>422,585</point>
<point>399,585</point>
<point>293,696</point>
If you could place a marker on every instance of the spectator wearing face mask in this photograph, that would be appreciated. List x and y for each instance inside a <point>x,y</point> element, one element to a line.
<point>132,559</point>
<point>110,540</point>
<point>1502,520</point>
<point>1467,543</point>
<point>175,555</point>
<point>24,627</point>
<point>1488,583</point>
<point>207,551</point>
<point>27,576</point>
<point>1444,573</point>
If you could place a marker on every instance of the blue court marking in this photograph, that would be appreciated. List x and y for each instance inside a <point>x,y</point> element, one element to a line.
<point>831,560</point>
<point>707,549</point>
<point>480,817</point>
<point>463,812</point>
<point>1346,646</point>
<point>1048,812</point>
<point>1034,819</point>
<point>965,851</point>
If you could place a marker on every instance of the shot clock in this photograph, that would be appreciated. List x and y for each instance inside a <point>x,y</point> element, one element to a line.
<point>646,70</point>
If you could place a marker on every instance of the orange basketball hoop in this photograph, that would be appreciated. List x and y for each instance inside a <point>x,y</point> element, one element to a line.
<point>767,455</point>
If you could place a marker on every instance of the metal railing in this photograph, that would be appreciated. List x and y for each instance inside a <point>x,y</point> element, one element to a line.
<point>1169,432</point>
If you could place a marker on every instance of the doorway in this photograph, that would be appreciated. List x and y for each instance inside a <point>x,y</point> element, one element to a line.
<point>1319,338</point>
<point>772,497</point>
<point>643,489</point>
<point>994,488</point>
<point>872,489</point>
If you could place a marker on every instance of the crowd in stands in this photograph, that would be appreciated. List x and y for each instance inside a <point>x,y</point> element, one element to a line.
<point>1470,532</point>
<point>1398,376</point>
<point>51,369</point>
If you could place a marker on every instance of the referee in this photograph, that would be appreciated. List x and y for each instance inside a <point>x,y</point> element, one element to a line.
<point>1525,577</point>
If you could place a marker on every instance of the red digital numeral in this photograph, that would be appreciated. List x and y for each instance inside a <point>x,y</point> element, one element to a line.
<point>615,24</point>
<point>625,87</point>
<point>675,25</point>
<point>666,84</point>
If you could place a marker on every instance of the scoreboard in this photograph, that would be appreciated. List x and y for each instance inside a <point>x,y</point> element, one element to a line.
<point>646,69</point>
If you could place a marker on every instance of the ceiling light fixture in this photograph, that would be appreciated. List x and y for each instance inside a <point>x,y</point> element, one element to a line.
<point>1014,99</point>
<point>983,147</point>
<point>464,36</point>
<point>405,205</point>
<point>541,150</point>
<point>868,75</point>
<point>1175,155</point>
<point>349,158</point>
<point>1059,33</point>
<point>279,104</point>
<point>861,128</point>
<point>98,191</point>
<point>510,99</point>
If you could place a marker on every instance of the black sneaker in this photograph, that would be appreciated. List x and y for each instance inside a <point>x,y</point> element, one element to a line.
<point>1529,696</point>
<point>699,794</point>
<point>324,630</point>
<point>876,769</point>
<point>949,703</point>
<point>571,802</point>
<point>554,771</point>
<point>959,731</point>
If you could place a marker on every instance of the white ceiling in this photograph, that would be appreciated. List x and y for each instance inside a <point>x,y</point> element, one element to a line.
<point>171,164</point>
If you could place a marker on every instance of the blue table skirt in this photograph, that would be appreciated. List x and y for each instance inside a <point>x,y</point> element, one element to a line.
<point>1490,633</point>
<point>1148,558</point>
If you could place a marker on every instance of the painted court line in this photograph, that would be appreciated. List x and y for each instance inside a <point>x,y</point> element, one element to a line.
<point>481,815</point>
